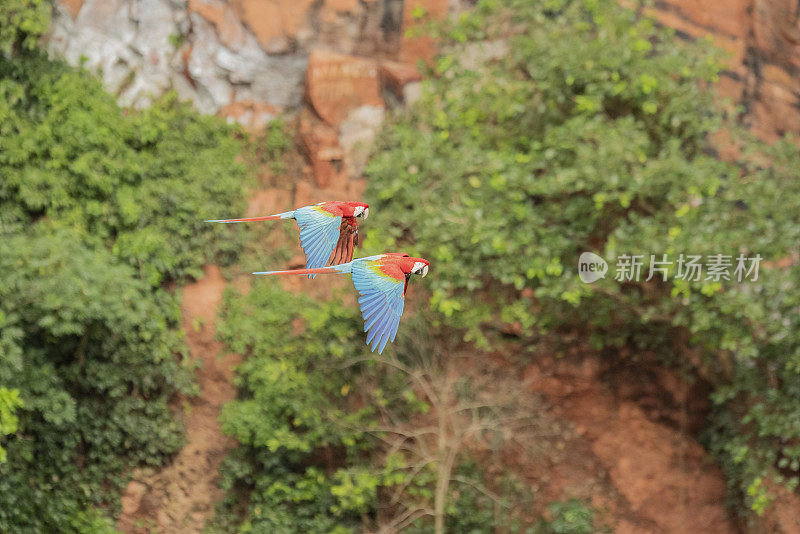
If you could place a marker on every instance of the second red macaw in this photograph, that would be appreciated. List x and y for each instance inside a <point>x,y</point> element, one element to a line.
<point>328,230</point>
<point>381,282</point>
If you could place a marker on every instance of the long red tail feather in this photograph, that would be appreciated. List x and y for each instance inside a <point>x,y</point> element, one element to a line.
<point>250,219</point>
<point>302,271</point>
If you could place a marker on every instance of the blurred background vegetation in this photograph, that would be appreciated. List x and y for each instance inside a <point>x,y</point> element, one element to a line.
<point>98,215</point>
<point>592,129</point>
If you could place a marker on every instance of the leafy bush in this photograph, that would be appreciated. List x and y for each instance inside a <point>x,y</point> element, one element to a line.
<point>474,509</point>
<point>288,416</point>
<point>569,517</point>
<point>139,183</point>
<point>9,402</point>
<point>273,144</point>
<point>21,24</point>
<point>91,350</point>
<point>100,208</point>
<point>591,130</point>
<point>321,426</point>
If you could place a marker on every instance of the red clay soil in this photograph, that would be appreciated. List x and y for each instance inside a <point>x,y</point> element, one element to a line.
<point>631,453</point>
<point>181,497</point>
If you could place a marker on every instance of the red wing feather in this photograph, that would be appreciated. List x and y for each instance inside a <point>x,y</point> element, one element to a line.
<point>345,246</point>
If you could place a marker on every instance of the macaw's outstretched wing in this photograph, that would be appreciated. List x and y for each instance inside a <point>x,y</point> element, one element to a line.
<point>380,287</point>
<point>348,239</point>
<point>319,233</point>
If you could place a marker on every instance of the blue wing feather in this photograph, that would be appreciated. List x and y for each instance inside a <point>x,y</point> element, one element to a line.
<point>381,301</point>
<point>319,232</point>
<point>381,333</point>
<point>377,321</point>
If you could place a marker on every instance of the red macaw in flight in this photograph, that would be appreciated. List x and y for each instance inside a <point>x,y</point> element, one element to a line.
<point>381,282</point>
<point>328,230</point>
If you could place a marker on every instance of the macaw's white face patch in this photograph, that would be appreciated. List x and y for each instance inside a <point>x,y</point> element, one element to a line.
<point>420,269</point>
<point>361,211</point>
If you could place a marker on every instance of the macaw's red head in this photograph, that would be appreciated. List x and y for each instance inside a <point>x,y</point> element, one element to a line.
<point>355,209</point>
<point>411,265</point>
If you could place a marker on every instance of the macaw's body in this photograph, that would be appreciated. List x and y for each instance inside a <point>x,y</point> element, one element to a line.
<point>381,282</point>
<point>328,230</point>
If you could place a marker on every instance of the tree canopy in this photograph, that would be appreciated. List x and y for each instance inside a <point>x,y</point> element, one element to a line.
<point>593,129</point>
<point>100,209</point>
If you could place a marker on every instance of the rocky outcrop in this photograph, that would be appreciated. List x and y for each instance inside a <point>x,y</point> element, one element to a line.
<point>346,110</point>
<point>201,49</point>
<point>336,84</point>
<point>763,40</point>
<point>252,54</point>
<point>245,58</point>
<point>250,60</point>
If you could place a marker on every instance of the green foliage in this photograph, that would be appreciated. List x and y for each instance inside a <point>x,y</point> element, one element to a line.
<point>569,517</point>
<point>140,183</point>
<point>21,24</point>
<point>476,509</point>
<point>311,419</point>
<point>284,384</point>
<point>293,463</point>
<point>92,521</point>
<point>592,132</point>
<point>100,208</point>
<point>9,402</point>
<point>273,144</point>
<point>91,349</point>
